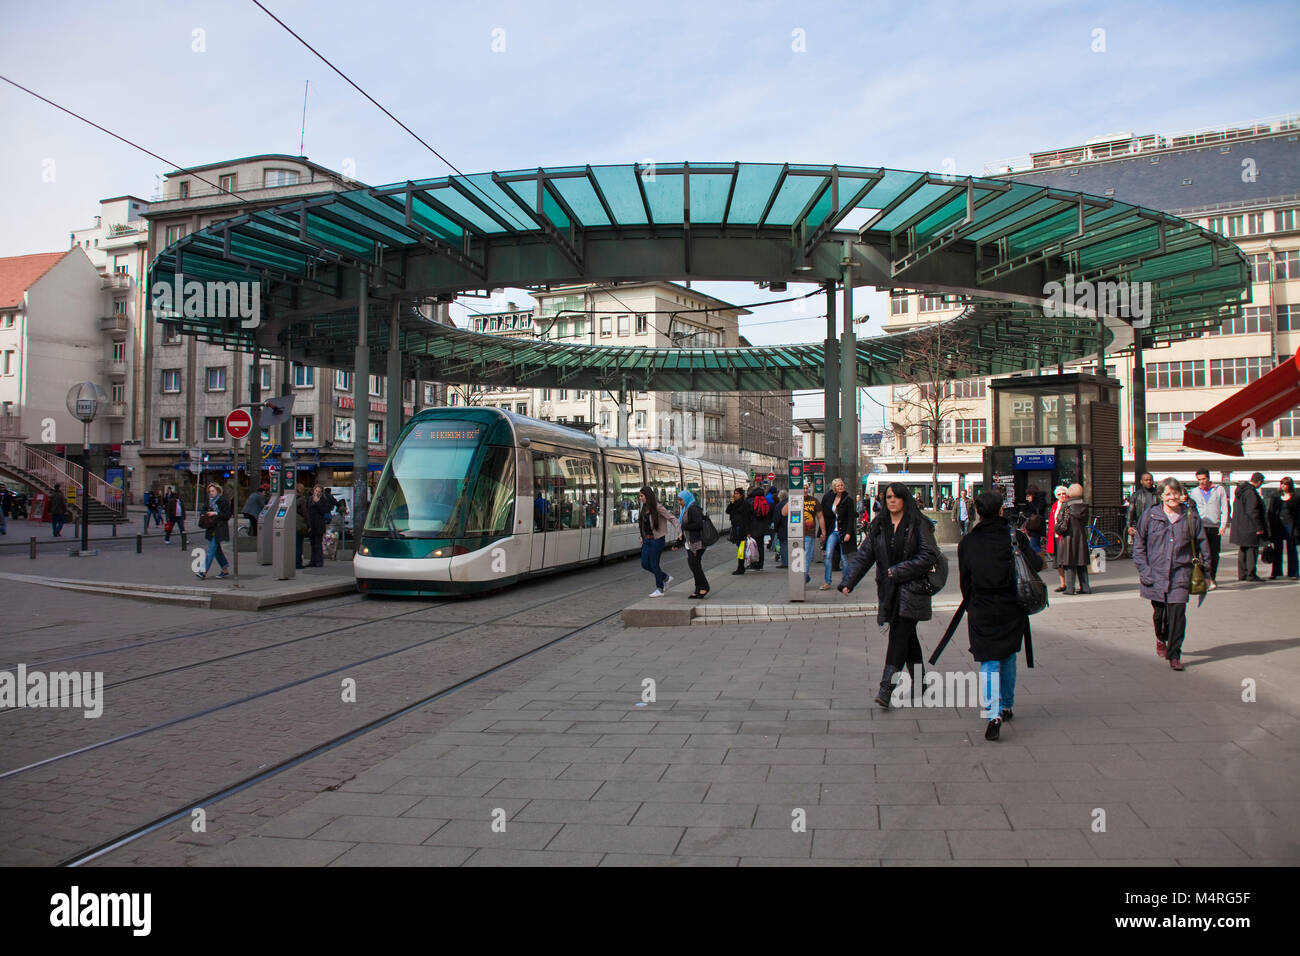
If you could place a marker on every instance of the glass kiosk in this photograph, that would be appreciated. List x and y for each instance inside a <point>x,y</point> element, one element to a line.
<point>1051,430</point>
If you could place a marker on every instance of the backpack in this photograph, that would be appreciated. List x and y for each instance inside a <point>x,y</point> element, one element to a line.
<point>761,508</point>
<point>708,533</point>
<point>1031,592</point>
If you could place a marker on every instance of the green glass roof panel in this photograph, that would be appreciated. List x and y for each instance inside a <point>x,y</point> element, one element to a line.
<point>664,192</point>
<point>581,196</point>
<point>709,196</point>
<point>486,191</point>
<point>1121,247</point>
<point>435,222</point>
<point>754,185</point>
<point>893,184</point>
<point>553,210</point>
<point>1063,224</point>
<point>951,212</point>
<point>912,205</point>
<point>334,236</point>
<point>619,185</point>
<point>990,210</point>
<point>821,208</point>
<point>792,197</point>
<point>993,225</point>
<point>468,210</point>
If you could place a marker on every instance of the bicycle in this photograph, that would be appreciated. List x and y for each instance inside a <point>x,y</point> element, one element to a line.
<point>1114,547</point>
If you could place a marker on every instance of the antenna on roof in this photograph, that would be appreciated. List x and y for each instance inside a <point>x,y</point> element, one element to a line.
<point>302,135</point>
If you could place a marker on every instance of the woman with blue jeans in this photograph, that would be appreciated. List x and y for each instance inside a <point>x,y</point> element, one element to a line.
<point>654,522</point>
<point>219,531</point>
<point>839,517</point>
<point>998,625</point>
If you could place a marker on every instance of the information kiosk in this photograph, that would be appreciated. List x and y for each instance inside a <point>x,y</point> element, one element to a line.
<point>265,528</point>
<point>285,543</point>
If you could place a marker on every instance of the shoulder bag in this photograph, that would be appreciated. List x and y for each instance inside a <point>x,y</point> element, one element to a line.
<point>1031,592</point>
<point>1198,585</point>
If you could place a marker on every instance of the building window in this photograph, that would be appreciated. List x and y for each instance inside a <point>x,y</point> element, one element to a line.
<point>1238,371</point>
<point>265,383</point>
<point>1168,426</point>
<point>304,376</point>
<point>1176,374</point>
<point>216,428</point>
<point>279,177</point>
<point>343,429</point>
<point>377,385</point>
<point>119,307</point>
<point>1287,426</point>
<point>1251,319</point>
<point>1286,265</point>
<point>227,183</point>
<point>1284,219</point>
<point>119,392</point>
<point>521,408</point>
<point>640,421</point>
<point>1288,318</point>
<point>640,323</point>
<point>342,381</point>
<point>169,429</point>
<point>606,326</point>
<point>970,431</point>
<point>303,426</point>
<point>9,321</point>
<point>119,351</point>
<point>9,362</point>
<point>1259,270</point>
<point>623,325</point>
<point>376,433</point>
<point>176,234</point>
<point>184,187</point>
<point>171,333</point>
<point>171,380</point>
<point>898,304</point>
<point>604,421</point>
<point>217,379</point>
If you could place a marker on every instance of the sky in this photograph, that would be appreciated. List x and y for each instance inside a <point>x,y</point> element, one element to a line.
<point>945,87</point>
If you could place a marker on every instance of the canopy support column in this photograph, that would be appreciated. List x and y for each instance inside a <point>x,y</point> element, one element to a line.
<point>832,387</point>
<point>850,434</point>
<point>361,402</point>
<point>622,414</point>
<point>1139,411</point>
<point>393,419</point>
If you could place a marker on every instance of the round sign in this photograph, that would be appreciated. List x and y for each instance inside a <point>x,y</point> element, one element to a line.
<point>771,476</point>
<point>239,423</point>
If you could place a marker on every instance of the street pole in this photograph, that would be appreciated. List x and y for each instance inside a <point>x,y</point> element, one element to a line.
<point>85,486</point>
<point>850,433</point>
<point>831,403</point>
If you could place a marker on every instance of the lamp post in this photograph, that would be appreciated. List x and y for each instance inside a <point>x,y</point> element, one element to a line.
<point>84,402</point>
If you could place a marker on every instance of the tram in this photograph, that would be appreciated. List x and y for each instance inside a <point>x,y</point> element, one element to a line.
<point>922,485</point>
<point>474,499</point>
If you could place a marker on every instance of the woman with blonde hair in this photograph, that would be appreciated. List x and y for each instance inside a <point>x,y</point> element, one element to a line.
<point>1061,496</point>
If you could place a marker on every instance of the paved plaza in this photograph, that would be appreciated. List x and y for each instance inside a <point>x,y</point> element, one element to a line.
<point>760,745</point>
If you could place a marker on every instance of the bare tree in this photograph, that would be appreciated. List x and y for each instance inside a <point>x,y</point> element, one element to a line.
<point>930,365</point>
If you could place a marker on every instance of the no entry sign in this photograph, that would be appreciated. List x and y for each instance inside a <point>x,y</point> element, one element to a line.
<point>239,423</point>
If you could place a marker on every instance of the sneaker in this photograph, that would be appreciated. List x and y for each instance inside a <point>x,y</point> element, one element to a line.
<point>1161,648</point>
<point>1214,585</point>
<point>224,574</point>
<point>1176,664</point>
<point>200,575</point>
<point>656,593</point>
<point>825,587</point>
<point>994,729</point>
<point>667,581</point>
<point>1007,715</point>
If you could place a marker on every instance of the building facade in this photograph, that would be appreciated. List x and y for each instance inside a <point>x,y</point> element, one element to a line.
<point>748,430</point>
<point>1242,182</point>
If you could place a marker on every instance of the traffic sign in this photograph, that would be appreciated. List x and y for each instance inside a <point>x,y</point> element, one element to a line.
<point>239,423</point>
<point>796,474</point>
<point>771,476</point>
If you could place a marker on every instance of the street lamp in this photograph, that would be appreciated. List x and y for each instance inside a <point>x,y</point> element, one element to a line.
<point>84,402</point>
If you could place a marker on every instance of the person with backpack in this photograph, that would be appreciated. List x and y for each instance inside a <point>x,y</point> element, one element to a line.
<point>692,525</point>
<point>996,622</point>
<point>900,544</point>
<point>760,524</point>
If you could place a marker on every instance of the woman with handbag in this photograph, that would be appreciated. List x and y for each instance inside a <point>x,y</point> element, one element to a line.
<point>1284,526</point>
<point>691,518</point>
<point>741,516</point>
<point>1171,554</point>
<point>839,516</point>
<point>900,543</point>
<point>214,522</point>
<point>994,618</point>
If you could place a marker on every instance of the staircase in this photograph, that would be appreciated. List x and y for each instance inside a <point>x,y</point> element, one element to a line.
<point>20,461</point>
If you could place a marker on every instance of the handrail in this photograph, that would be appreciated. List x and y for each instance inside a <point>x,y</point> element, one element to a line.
<point>59,471</point>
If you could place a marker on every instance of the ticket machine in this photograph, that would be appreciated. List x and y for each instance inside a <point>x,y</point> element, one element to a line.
<point>265,530</point>
<point>796,559</point>
<point>284,545</point>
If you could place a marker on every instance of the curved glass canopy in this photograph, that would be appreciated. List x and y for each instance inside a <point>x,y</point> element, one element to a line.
<point>1003,246</point>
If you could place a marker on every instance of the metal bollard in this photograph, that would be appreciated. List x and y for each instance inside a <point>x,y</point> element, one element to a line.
<point>33,549</point>
<point>183,546</point>
<point>139,544</point>
<point>115,529</point>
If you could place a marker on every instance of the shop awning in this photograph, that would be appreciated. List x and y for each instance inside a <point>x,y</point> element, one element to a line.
<point>1242,415</point>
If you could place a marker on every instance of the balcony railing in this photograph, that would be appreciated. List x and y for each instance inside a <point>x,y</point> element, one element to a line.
<point>114,323</point>
<point>116,281</point>
<point>115,410</point>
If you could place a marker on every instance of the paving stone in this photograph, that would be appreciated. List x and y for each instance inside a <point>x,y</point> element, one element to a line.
<point>275,851</point>
<point>946,817</point>
<point>1029,791</point>
<point>518,834</point>
<point>647,859</point>
<point>726,773</point>
<point>337,803</point>
<point>614,771</point>
<point>584,837</point>
<point>1017,844</point>
<point>694,815</point>
<point>1208,814</point>
<point>465,808</point>
<point>544,789</point>
<point>818,817</point>
<point>295,824</point>
<point>352,829</point>
<point>487,856</point>
<point>773,756</point>
<point>1120,817</point>
<point>444,786</point>
<point>822,773</point>
<point>658,755</point>
<point>880,845</point>
<point>1053,771</point>
<point>1176,843</point>
<point>579,811</point>
<point>647,792</point>
<point>742,841</point>
<point>878,793</point>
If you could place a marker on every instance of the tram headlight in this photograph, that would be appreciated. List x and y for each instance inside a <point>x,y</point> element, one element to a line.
<point>365,549</point>
<point>449,551</point>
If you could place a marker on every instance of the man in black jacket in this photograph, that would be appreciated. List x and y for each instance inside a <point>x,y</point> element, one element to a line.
<point>1144,496</point>
<point>1249,526</point>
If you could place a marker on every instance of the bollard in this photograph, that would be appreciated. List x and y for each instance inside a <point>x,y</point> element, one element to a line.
<point>183,546</point>
<point>139,544</point>
<point>115,528</point>
<point>33,549</point>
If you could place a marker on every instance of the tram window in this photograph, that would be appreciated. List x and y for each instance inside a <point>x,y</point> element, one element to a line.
<point>548,491</point>
<point>624,483</point>
<point>492,504</point>
<point>579,506</point>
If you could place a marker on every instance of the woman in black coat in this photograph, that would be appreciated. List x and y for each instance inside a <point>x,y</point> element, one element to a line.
<point>900,543</point>
<point>741,516</point>
<point>994,619</point>
<point>217,517</point>
<point>318,518</point>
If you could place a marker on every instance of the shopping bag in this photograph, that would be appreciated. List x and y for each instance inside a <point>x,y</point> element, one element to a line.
<point>1097,561</point>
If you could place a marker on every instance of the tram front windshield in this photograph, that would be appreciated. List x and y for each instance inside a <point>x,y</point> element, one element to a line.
<point>425,487</point>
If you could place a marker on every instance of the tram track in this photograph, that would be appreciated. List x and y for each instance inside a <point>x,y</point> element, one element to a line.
<point>288,685</point>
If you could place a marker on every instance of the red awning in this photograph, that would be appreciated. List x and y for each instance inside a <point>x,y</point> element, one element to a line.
<point>1243,414</point>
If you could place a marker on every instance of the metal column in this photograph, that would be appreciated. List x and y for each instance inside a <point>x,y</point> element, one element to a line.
<point>361,402</point>
<point>832,405</point>
<point>850,435</point>
<point>393,418</point>
<point>1139,411</point>
<point>622,415</point>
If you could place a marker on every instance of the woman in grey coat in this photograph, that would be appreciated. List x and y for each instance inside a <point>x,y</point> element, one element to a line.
<point>1168,536</point>
<point>1071,531</point>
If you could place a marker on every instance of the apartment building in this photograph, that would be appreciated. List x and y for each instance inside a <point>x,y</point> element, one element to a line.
<point>187,387</point>
<point>1242,182</point>
<point>746,430</point>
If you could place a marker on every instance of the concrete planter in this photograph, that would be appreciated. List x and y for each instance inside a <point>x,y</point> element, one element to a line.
<point>945,529</point>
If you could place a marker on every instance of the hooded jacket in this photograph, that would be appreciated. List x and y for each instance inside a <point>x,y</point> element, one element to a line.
<point>909,553</point>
